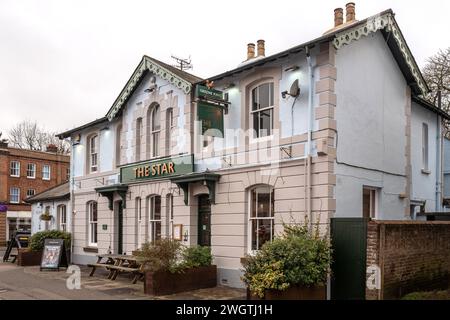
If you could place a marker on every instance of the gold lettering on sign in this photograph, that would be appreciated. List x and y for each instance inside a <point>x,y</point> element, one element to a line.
<point>154,170</point>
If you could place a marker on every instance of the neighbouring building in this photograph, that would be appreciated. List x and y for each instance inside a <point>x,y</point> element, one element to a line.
<point>334,127</point>
<point>446,169</point>
<point>24,173</point>
<point>54,202</point>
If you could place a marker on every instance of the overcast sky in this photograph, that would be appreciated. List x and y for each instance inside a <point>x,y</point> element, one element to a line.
<point>63,63</point>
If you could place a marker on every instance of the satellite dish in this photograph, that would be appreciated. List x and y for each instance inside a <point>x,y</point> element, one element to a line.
<point>294,91</point>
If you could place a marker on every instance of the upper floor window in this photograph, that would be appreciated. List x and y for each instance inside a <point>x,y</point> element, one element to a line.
<point>155,129</point>
<point>370,202</point>
<point>118,144</point>
<point>31,171</point>
<point>93,153</point>
<point>261,113</point>
<point>261,217</point>
<point>14,195</point>
<point>138,138</point>
<point>45,172</point>
<point>169,127</point>
<point>67,174</point>
<point>31,192</point>
<point>14,169</point>
<point>424,146</point>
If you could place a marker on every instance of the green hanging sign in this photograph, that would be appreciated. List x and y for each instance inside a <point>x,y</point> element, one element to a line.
<point>206,93</point>
<point>211,117</point>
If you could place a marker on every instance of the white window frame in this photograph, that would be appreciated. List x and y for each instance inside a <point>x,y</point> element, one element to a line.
<point>141,223</point>
<point>32,171</point>
<point>93,224</point>
<point>151,207</point>
<point>425,148</point>
<point>155,129</point>
<point>251,219</point>
<point>169,128</point>
<point>139,131</point>
<point>68,174</point>
<point>256,134</point>
<point>12,168</point>
<point>13,194</point>
<point>169,215</point>
<point>30,195</point>
<point>93,153</point>
<point>44,172</point>
<point>62,217</point>
<point>374,201</point>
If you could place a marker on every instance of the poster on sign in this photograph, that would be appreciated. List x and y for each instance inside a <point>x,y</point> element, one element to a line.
<point>54,254</point>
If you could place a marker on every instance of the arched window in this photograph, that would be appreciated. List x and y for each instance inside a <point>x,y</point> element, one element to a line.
<point>118,144</point>
<point>154,214</point>
<point>138,139</point>
<point>155,129</point>
<point>169,215</point>
<point>140,223</point>
<point>169,128</point>
<point>92,226</point>
<point>262,106</point>
<point>62,217</point>
<point>93,153</point>
<point>261,216</point>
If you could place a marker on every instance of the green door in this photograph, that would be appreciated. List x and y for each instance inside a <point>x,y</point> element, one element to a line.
<point>204,221</point>
<point>348,239</point>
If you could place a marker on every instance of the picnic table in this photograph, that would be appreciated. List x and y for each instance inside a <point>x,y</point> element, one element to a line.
<point>117,263</point>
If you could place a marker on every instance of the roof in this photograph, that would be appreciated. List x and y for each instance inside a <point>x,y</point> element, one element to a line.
<point>66,134</point>
<point>59,192</point>
<point>180,79</point>
<point>428,105</point>
<point>383,21</point>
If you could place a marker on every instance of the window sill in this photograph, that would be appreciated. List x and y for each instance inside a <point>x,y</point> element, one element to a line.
<point>90,249</point>
<point>31,178</point>
<point>426,171</point>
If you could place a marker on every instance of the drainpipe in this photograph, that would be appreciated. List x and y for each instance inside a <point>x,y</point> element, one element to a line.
<point>309,146</point>
<point>72,202</point>
<point>438,157</point>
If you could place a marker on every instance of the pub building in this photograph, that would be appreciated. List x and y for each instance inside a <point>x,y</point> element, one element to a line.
<point>226,161</point>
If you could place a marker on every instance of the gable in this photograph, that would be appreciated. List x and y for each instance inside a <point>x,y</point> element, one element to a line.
<point>180,79</point>
<point>396,42</point>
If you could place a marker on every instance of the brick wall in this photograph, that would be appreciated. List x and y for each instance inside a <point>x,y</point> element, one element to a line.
<point>2,229</point>
<point>411,256</point>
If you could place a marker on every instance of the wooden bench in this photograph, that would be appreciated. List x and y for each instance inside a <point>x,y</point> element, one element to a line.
<point>116,264</point>
<point>134,270</point>
<point>94,267</point>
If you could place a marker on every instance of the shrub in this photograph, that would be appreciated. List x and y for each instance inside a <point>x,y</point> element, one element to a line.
<point>170,255</point>
<point>297,257</point>
<point>161,255</point>
<point>38,239</point>
<point>197,256</point>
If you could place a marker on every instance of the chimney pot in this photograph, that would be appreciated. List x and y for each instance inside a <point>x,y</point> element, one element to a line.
<point>338,16</point>
<point>250,51</point>
<point>261,48</point>
<point>52,148</point>
<point>350,12</point>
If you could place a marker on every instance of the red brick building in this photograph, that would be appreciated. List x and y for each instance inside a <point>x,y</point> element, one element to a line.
<point>24,173</point>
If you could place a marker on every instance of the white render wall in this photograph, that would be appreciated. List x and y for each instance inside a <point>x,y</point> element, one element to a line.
<point>370,113</point>
<point>446,168</point>
<point>38,208</point>
<point>423,184</point>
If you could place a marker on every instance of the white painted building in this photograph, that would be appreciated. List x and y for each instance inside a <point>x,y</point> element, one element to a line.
<point>54,202</point>
<point>335,127</point>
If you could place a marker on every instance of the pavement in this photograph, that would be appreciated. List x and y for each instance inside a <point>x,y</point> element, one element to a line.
<point>29,283</point>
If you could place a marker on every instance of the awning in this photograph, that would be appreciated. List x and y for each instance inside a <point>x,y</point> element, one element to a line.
<point>108,191</point>
<point>207,178</point>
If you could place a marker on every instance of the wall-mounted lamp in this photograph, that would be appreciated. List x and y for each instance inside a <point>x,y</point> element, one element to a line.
<point>229,86</point>
<point>292,68</point>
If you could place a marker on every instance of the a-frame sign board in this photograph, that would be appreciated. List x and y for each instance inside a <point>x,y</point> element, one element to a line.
<point>54,255</point>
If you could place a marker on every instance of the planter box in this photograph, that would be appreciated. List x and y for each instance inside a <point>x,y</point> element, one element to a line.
<point>293,293</point>
<point>25,257</point>
<point>163,282</point>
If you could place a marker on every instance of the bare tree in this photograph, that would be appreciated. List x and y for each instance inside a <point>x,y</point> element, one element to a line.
<point>28,135</point>
<point>437,75</point>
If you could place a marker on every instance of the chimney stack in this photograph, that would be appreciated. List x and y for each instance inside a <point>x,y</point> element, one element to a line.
<point>338,17</point>
<point>261,48</point>
<point>350,12</point>
<point>250,51</point>
<point>52,148</point>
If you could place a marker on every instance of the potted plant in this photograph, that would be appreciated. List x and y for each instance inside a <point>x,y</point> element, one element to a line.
<point>294,265</point>
<point>31,256</point>
<point>170,268</point>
